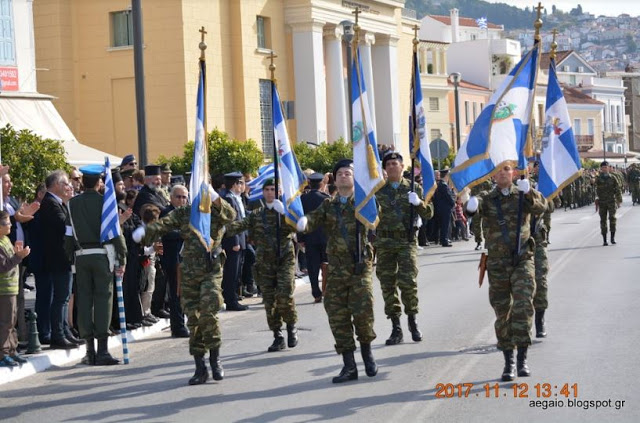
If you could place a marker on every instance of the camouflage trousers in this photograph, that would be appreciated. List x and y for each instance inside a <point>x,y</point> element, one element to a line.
<point>607,208</point>
<point>348,302</point>
<point>540,301</point>
<point>476,228</point>
<point>511,292</point>
<point>397,270</point>
<point>635,192</point>
<point>201,297</point>
<point>277,283</point>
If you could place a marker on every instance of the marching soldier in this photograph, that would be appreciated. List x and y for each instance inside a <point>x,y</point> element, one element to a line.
<point>634,184</point>
<point>609,198</point>
<point>201,279</point>
<point>315,243</point>
<point>396,247</point>
<point>349,296</point>
<point>511,277</point>
<point>476,222</point>
<point>94,264</point>
<point>274,274</point>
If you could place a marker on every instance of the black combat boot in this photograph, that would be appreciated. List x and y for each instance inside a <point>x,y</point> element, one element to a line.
<point>604,240</point>
<point>478,246</point>
<point>216,367</point>
<point>202,374</point>
<point>370,366</point>
<point>613,238</point>
<point>278,341</point>
<point>103,358</point>
<point>540,329</point>
<point>90,358</point>
<point>416,335</point>
<point>396,332</point>
<point>523,368</point>
<point>349,371</point>
<point>292,335</point>
<point>509,372</point>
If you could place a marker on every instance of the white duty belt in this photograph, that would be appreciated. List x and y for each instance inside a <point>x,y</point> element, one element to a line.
<point>90,251</point>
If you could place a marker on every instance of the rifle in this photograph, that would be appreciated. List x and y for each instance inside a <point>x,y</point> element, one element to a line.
<point>482,267</point>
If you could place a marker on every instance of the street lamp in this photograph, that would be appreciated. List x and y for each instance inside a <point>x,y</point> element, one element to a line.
<point>455,78</point>
<point>347,35</point>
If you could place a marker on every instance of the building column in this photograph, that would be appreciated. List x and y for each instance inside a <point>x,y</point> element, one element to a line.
<point>308,70</point>
<point>385,61</point>
<point>367,71</point>
<point>337,113</point>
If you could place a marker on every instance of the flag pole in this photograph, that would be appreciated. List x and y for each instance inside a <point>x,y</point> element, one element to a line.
<point>276,171</point>
<point>536,44</point>
<point>355,58</point>
<point>414,128</point>
<point>203,66</point>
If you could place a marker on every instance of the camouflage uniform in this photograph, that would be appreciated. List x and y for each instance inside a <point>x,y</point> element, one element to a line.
<point>634,184</point>
<point>275,277</point>
<point>349,297</point>
<point>201,273</point>
<point>476,222</point>
<point>511,288</point>
<point>540,226</point>
<point>609,193</point>
<point>396,267</point>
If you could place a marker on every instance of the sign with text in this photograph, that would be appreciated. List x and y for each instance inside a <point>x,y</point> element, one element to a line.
<point>8,79</point>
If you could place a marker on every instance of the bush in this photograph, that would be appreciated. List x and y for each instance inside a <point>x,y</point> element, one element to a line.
<point>225,155</point>
<point>31,159</point>
<point>323,157</point>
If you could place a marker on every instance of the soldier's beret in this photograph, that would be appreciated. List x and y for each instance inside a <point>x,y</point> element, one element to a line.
<point>165,168</point>
<point>393,155</point>
<point>92,170</point>
<point>127,159</point>
<point>151,170</point>
<point>604,163</point>
<point>342,163</point>
<point>269,182</point>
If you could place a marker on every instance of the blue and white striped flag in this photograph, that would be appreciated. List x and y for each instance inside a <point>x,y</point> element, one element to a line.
<point>419,146</point>
<point>559,159</point>
<point>482,22</point>
<point>200,219</point>
<point>264,173</point>
<point>501,133</point>
<point>367,168</point>
<point>110,225</point>
<point>292,180</point>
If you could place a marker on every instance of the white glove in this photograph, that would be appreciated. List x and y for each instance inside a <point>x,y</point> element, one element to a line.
<point>138,234</point>
<point>213,194</point>
<point>278,206</point>
<point>418,222</point>
<point>523,185</point>
<point>301,226</point>
<point>472,204</point>
<point>414,199</point>
<point>464,195</point>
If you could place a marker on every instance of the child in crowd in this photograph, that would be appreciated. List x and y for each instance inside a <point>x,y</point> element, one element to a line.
<point>461,222</point>
<point>10,257</point>
<point>150,213</point>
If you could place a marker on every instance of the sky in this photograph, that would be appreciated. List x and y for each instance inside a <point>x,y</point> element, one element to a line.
<point>597,7</point>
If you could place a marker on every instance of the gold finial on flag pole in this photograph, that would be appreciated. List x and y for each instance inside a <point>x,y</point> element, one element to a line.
<point>538,23</point>
<point>554,45</point>
<point>202,45</point>
<point>416,41</point>
<point>272,66</point>
<point>356,27</point>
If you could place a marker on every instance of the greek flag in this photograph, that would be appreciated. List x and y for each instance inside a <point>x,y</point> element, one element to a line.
<point>482,22</point>
<point>501,133</point>
<point>109,226</point>
<point>366,163</point>
<point>264,173</point>
<point>419,145</point>
<point>292,180</point>
<point>200,219</point>
<point>559,159</point>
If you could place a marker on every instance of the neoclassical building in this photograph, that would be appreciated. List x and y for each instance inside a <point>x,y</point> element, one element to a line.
<point>86,45</point>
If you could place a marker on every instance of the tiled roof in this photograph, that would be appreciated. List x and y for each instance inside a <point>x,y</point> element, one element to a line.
<point>560,56</point>
<point>573,96</point>
<point>463,21</point>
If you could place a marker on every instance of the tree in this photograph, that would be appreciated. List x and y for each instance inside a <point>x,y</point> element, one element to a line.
<point>31,158</point>
<point>553,9</point>
<point>323,157</point>
<point>225,155</point>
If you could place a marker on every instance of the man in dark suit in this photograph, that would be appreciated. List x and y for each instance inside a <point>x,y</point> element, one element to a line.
<point>315,243</point>
<point>170,260</point>
<point>444,200</point>
<point>150,192</point>
<point>234,245</point>
<point>53,215</point>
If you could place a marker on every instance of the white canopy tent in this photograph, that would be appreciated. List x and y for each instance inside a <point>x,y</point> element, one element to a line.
<point>37,114</point>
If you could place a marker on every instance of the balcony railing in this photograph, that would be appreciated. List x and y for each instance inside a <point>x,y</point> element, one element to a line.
<point>584,142</point>
<point>613,127</point>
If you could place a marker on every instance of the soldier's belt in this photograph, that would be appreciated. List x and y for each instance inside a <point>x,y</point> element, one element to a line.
<point>90,251</point>
<point>392,234</point>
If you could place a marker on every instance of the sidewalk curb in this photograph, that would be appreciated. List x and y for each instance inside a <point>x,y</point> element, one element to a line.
<point>48,358</point>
